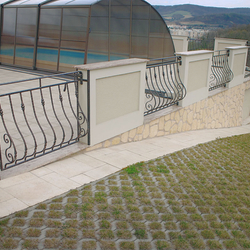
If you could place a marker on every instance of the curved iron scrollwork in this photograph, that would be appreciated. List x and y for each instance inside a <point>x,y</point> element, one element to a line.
<point>221,72</point>
<point>10,149</point>
<point>41,119</point>
<point>164,87</point>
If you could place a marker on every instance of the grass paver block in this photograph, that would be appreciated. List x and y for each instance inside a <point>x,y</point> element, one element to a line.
<point>197,198</point>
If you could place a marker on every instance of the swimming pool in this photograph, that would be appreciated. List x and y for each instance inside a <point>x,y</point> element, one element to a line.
<point>51,55</point>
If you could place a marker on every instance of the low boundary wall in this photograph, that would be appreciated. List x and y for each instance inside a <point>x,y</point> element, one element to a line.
<point>219,110</point>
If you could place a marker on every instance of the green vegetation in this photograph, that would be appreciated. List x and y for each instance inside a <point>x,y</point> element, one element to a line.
<point>236,32</point>
<point>134,169</point>
<point>201,16</point>
<point>205,206</point>
<point>220,20</point>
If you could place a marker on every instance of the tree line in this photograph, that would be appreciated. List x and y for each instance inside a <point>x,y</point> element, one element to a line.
<point>207,40</point>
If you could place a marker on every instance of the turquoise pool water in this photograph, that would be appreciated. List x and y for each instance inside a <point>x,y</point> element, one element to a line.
<point>51,55</point>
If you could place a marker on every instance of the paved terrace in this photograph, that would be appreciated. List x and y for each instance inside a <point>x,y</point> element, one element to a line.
<point>185,195</point>
<point>34,112</point>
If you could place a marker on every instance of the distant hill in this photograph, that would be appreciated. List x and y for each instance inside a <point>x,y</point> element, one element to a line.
<point>197,10</point>
<point>221,19</point>
<point>189,14</point>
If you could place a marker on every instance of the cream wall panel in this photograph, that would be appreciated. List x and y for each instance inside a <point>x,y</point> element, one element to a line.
<point>222,46</point>
<point>223,43</point>
<point>117,92</point>
<point>180,43</point>
<point>197,75</point>
<point>239,64</point>
<point>117,96</point>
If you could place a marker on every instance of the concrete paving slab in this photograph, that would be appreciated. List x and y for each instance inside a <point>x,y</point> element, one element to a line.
<point>4,196</point>
<point>122,159</point>
<point>34,191</point>
<point>41,171</point>
<point>30,188</point>
<point>82,179</point>
<point>88,160</point>
<point>101,172</point>
<point>60,181</point>
<point>69,167</point>
<point>11,206</point>
<point>16,180</point>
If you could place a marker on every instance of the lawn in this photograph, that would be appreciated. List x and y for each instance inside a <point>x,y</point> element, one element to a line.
<point>197,198</point>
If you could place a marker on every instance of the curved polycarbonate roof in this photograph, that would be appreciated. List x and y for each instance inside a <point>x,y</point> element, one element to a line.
<point>5,2</point>
<point>72,2</point>
<point>64,33</point>
<point>20,3</point>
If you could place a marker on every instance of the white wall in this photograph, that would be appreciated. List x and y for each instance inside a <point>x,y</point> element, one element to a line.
<point>117,91</point>
<point>237,63</point>
<point>195,74</point>
<point>180,43</point>
<point>222,43</point>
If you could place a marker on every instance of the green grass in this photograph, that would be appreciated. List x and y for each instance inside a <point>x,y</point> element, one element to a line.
<point>126,245</point>
<point>106,234</point>
<point>89,245</point>
<point>140,233</point>
<point>104,224</point>
<point>51,233</point>
<point>33,232</point>
<point>162,245</point>
<point>69,244</point>
<point>88,233</point>
<point>30,244</point>
<point>14,232</point>
<point>134,169</point>
<point>123,234</point>
<point>51,243</point>
<point>70,233</point>
<point>197,198</point>
<point>144,245</point>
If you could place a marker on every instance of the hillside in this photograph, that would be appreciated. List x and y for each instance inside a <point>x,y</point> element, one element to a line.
<point>221,19</point>
<point>236,32</point>
<point>189,14</point>
<point>197,10</point>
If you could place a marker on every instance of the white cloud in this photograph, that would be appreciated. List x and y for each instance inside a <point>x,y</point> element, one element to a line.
<point>215,3</point>
<point>159,2</point>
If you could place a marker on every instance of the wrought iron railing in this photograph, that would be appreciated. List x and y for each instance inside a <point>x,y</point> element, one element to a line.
<point>221,73</point>
<point>38,116</point>
<point>247,71</point>
<point>164,87</point>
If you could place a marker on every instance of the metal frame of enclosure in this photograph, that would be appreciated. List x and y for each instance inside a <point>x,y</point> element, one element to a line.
<point>55,35</point>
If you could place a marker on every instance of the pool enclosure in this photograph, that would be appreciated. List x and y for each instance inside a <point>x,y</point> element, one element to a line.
<point>55,35</point>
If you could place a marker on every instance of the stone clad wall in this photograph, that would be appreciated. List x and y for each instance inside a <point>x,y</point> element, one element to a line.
<point>217,111</point>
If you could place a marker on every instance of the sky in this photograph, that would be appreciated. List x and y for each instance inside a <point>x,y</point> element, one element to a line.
<point>212,3</point>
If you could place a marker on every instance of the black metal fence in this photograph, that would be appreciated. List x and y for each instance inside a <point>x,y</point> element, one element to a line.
<point>164,87</point>
<point>247,72</point>
<point>38,116</point>
<point>200,44</point>
<point>221,72</point>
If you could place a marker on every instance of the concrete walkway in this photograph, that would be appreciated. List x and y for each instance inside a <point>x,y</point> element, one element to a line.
<point>24,190</point>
